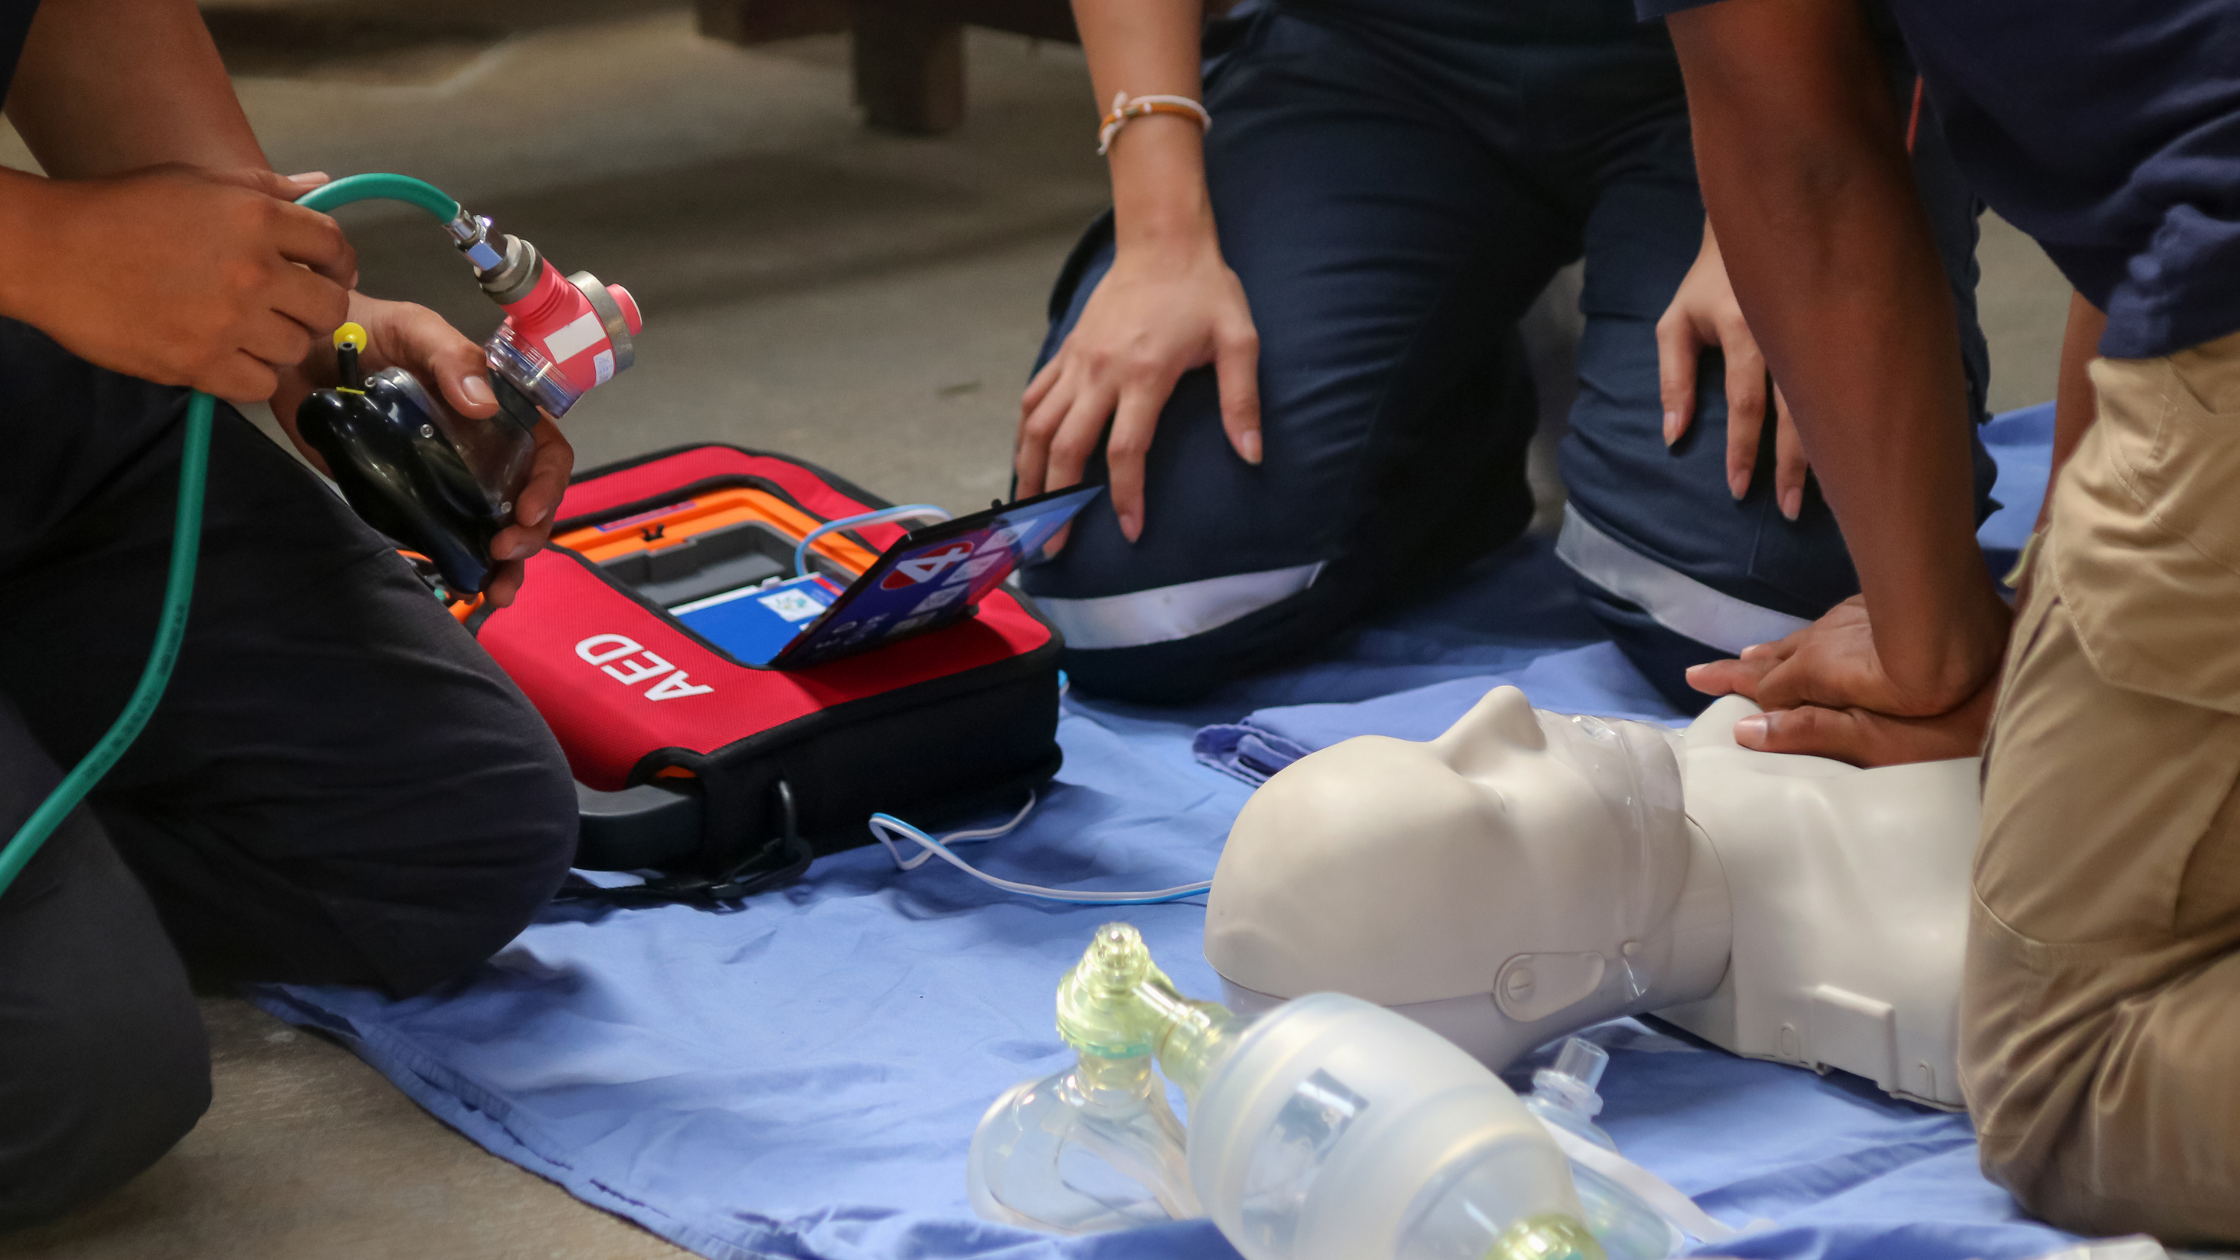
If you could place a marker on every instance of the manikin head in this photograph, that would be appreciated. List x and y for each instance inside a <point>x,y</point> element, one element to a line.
<point>1514,878</point>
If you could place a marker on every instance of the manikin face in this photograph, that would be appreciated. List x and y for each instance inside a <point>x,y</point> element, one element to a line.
<point>1405,872</point>
<point>1527,874</point>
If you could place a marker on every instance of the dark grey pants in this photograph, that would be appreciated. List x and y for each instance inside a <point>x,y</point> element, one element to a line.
<point>339,786</point>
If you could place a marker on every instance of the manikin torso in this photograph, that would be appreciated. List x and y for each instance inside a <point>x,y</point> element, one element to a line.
<point>1527,874</point>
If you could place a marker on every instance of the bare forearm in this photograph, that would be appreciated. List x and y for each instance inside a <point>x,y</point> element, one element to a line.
<point>1801,158</point>
<point>106,86</point>
<point>2073,403</point>
<point>162,246</point>
<point>103,87</point>
<point>1150,48</point>
<point>27,212</point>
<point>1169,303</point>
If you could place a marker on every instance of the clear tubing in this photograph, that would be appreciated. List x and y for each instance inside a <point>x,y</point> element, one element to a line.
<point>954,837</point>
<point>171,628</point>
<point>886,827</point>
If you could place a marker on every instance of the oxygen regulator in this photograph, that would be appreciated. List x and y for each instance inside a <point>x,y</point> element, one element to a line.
<point>440,483</point>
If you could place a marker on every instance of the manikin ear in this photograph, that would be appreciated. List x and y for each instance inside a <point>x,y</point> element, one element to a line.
<point>1494,728</point>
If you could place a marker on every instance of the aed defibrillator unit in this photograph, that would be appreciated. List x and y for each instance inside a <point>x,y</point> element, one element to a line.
<point>741,676</point>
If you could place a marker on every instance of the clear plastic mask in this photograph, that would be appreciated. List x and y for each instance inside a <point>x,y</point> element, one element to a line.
<point>1632,766</point>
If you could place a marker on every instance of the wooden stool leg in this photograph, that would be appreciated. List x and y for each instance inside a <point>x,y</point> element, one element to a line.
<point>751,22</point>
<point>909,66</point>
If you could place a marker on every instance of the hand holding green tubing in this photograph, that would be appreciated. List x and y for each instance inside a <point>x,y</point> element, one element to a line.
<point>186,538</point>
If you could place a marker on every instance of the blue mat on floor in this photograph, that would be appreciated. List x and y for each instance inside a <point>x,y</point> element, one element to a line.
<point>800,1077</point>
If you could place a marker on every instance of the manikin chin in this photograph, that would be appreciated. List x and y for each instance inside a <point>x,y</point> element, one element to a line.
<point>1527,874</point>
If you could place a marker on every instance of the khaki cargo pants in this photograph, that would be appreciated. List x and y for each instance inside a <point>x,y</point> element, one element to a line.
<point>2100,1015</point>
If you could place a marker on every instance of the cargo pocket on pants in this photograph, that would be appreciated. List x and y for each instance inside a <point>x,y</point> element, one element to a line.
<point>2144,540</point>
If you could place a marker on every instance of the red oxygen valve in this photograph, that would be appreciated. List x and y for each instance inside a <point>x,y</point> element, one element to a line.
<point>561,336</point>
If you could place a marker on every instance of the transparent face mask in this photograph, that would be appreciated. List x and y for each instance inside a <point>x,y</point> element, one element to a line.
<point>1633,769</point>
<point>1092,1148</point>
<point>1095,1146</point>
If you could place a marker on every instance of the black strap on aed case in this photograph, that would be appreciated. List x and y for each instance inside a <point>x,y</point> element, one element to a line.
<point>780,861</point>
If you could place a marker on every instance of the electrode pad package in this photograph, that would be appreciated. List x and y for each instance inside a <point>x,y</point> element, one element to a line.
<point>650,634</point>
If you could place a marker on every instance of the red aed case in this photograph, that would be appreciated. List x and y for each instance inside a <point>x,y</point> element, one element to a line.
<point>712,754</point>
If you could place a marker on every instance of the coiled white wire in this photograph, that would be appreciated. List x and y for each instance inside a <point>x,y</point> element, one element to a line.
<point>880,517</point>
<point>887,828</point>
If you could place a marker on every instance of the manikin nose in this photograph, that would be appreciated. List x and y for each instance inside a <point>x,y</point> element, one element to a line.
<point>1498,726</point>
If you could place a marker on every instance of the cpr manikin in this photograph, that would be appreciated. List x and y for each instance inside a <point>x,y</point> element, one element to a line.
<point>1528,873</point>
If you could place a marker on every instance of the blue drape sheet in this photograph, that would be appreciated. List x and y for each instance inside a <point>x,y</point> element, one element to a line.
<point>800,1077</point>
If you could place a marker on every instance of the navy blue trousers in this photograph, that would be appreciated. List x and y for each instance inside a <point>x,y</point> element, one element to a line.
<point>339,786</point>
<point>1395,184</point>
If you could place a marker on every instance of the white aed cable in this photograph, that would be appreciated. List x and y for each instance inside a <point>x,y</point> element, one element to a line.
<point>887,828</point>
<point>880,517</point>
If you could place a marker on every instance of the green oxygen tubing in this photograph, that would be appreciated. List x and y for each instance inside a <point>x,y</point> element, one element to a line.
<point>186,539</point>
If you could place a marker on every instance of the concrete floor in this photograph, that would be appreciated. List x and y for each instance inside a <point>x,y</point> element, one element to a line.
<point>869,302</point>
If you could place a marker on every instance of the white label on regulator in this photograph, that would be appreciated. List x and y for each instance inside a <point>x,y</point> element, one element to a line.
<point>581,333</point>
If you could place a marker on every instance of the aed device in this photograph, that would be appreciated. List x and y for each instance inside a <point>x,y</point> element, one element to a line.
<point>729,712</point>
<point>710,564</point>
